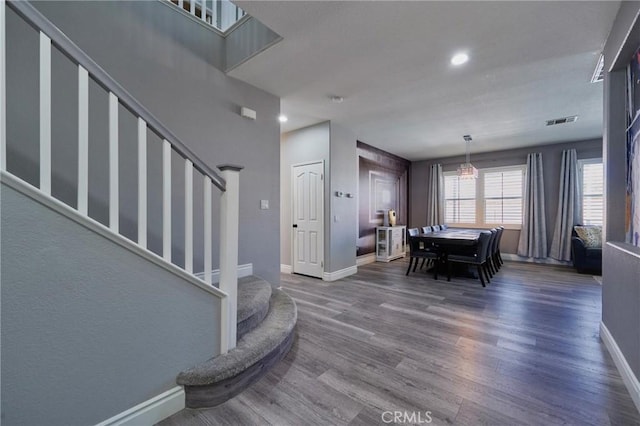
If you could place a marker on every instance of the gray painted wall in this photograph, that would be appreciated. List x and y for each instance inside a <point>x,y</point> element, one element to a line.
<point>620,268</point>
<point>551,156</point>
<point>343,217</point>
<point>621,300</point>
<point>300,146</point>
<point>89,329</point>
<point>336,146</point>
<point>168,62</point>
<point>246,40</point>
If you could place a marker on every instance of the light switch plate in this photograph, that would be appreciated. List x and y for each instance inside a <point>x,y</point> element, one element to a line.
<point>264,204</point>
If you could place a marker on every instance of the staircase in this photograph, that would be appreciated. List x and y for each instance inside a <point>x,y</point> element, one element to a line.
<point>266,325</point>
<point>253,324</point>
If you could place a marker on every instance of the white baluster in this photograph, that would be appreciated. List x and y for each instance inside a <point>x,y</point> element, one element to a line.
<point>83,141</point>
<point>181,4</point>
<point>3,89</point>
<point>114,177</point>
<point>192,7</point>
<point>45,113</point>
<point>203,14</point>
<point>142,183</point>
<point>207,230</point>
<point>188,216</point>
<point>166,200</point>
<point>214,13</point>
<point>229,212</point>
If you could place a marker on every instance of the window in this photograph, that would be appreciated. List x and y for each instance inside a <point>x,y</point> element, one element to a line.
<point>494,198</point>
<point>459,199</point>
<point>503,197</point>
<point>592,181</point>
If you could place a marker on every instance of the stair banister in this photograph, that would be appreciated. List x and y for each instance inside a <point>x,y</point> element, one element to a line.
<point>38,21</point>
<point>228,183</point>
<point>229,227</point>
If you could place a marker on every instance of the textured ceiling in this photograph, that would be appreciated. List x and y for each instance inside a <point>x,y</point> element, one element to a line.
<point>529,62</point>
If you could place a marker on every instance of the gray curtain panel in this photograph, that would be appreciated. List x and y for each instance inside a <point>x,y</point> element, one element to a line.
<point>569,206</point>
<point>435,200</point>
<point>533,236</point>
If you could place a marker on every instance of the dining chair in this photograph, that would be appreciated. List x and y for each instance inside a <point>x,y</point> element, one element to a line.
<point>493,253</point>
<point>479,258</point>
<point>492,240</point>
<point>498,255</point>
<point>443,227</point>
<point>417,250</point>
<point>427,229</point>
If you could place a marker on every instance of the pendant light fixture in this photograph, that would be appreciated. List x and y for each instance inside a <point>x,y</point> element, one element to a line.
<point>466,170</point>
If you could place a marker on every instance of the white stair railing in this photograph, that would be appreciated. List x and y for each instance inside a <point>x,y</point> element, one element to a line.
<point>228,183</point>
<point>220,14</point>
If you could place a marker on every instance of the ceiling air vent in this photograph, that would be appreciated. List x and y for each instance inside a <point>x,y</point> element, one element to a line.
<point>562,120</point>
<point>598,73</point>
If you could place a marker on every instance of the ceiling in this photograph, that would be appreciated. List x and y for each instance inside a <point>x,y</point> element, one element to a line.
<point>390,60</point>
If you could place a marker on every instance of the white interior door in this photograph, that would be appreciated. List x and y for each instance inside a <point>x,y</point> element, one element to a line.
<point>308,219</point>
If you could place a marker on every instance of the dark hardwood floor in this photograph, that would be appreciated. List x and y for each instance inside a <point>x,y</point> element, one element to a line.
<point>523,350</point>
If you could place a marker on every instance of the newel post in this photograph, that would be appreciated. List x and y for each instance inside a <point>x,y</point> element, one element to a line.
<point>229,212</point>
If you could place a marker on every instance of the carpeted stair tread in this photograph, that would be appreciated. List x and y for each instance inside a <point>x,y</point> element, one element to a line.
<point>259,343</point>
<point>253,296</point>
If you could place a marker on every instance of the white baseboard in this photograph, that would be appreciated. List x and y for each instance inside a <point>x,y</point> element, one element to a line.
<point>630,379</point>
<point>243,271</point>
<point>546,261</point>
<point>150,411</point>
<point>365,259</point>
<point>286,269</point>
<point>333,276</point>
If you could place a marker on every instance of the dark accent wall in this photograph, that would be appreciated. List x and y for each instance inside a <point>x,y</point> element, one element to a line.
<point>621,261</point>
<point>382,184</point>
<point>551,158</point>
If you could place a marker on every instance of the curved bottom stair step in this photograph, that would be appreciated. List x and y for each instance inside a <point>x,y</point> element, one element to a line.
<point>253,303</point>
<point>219,379</point>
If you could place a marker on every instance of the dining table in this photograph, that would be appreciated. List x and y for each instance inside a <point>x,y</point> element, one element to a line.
<point>450,240</point>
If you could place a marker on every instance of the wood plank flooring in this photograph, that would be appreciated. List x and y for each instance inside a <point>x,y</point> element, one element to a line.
<point>525,350</point>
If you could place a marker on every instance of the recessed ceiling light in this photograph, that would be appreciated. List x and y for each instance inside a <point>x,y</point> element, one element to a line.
<point>282,118</point>
<point>337,99</point>
<point>459,59</point>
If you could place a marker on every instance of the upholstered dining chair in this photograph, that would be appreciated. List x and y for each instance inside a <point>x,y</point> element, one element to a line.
<point>478,258</point>
<point>494,235</point>
<point>416,251</point>
<point>493,252</point>
<point>498,256</point>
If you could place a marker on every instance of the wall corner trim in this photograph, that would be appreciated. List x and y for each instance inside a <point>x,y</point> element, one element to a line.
<point>342,273</point>
<point>629,379</point>
<point>366,259</point>
<point>150,411</point>
<point>286,269</point>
